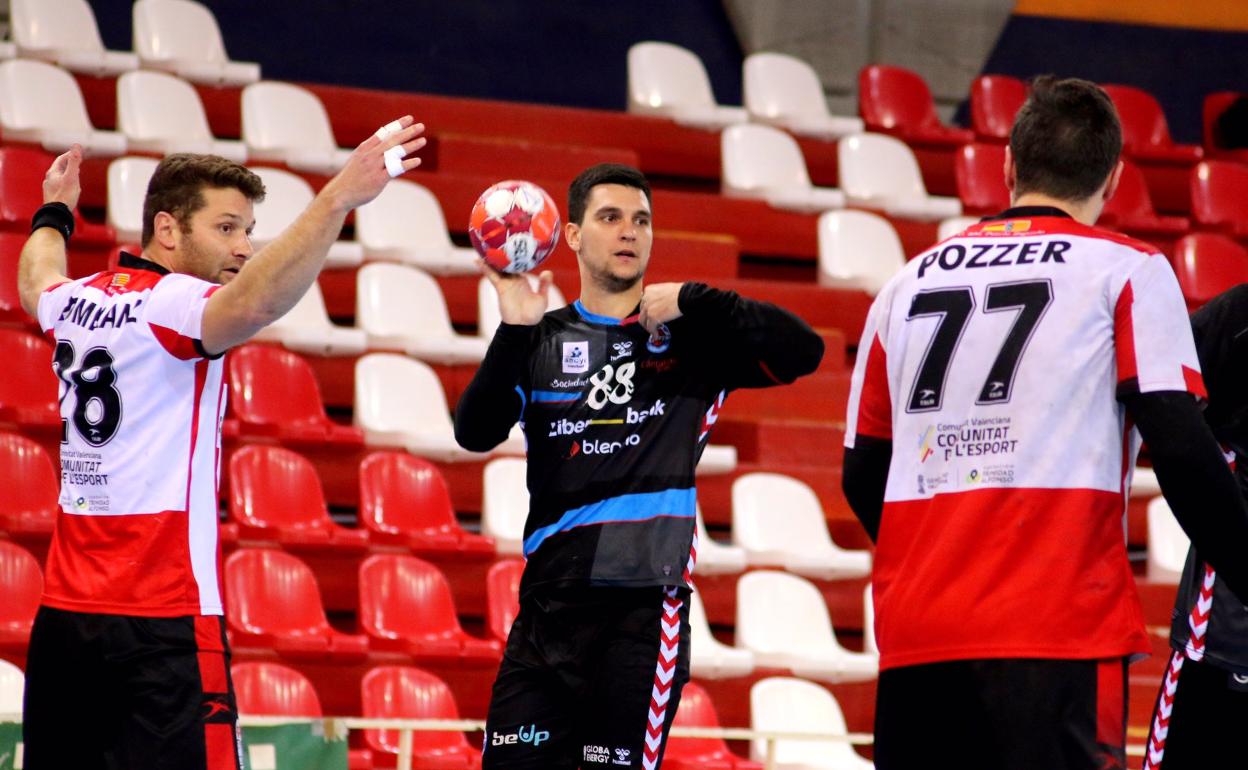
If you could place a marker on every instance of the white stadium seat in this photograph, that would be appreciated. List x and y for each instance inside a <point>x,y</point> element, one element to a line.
<point>405,224</point>
<point>858,249</point>
<point>162,113</point>
<point>715,558</point>
<point>766,164</point>
<point>881,172</point>
<point>779,522</point>
<point>12,685</point>
<point>488,314</point>
<point>671,82</point>
<point>286,195</point>
<point>41,103</point>
<point>787,705</point>
<point>869,643</point>
<point>1144,483</point>
<point>307,329</point>
<point>1167,543</point>
<point>784,91</point>
<point>783,620</point>
<point>182,37</point>
<point>288,124</point>
<point>127,186</point>
<point>399,402</point>
<point>505,503</point>
<point>402,308</point>
<point>709,657</point>
<point>64,32</point>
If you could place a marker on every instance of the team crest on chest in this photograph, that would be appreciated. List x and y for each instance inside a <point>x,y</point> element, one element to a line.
<point>576,357</point>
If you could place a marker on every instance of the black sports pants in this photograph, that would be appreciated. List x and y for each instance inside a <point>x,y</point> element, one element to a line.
<point>590,677</point>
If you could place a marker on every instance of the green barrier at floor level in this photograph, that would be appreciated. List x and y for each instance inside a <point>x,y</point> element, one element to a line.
<point>10,745</point>
<point>299,746</point>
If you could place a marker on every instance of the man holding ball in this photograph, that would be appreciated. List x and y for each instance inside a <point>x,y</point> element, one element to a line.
<point>616,393</point>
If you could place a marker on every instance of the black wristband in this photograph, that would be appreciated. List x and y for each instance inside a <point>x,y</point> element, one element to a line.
<point>55,215</point>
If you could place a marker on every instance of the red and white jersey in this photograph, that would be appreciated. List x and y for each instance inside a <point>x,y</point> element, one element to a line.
<point>993,363</point>
<point>141,410</point>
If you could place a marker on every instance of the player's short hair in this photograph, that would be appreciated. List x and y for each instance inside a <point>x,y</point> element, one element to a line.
<point>178,184</point>
<point>1066,139</point>
<point>603,173</point>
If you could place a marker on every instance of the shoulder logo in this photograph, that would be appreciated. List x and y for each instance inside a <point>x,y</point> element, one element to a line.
<point>576,357</point>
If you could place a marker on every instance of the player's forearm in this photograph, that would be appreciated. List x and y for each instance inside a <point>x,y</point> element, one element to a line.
<point>783,346</point>
<point>43,256</point>
<point>490,404</point>
<point>278,275</point>
<point>864,476</point>
<point>1196,481</point>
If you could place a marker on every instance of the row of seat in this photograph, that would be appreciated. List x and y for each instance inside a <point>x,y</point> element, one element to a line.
<point>777,704</point>
<point>671,81</point>
<point>405,605</point>
<point>178,36</point>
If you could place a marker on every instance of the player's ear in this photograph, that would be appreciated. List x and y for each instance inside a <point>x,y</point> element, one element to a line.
<point>572,234</point>
<point>166,230</point>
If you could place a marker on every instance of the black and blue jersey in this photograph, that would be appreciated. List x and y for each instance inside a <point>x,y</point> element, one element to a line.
<point>615,420</point>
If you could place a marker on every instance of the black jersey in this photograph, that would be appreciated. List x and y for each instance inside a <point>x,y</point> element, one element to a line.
<point>615,420</point>
<point>1218,634</point>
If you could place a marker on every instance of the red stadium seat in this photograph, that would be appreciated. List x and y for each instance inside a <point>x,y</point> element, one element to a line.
<point>1208,264</point>
<point>995,100</point>
<point>1145,133</point>
<point>403,692</point>
<point>1219,190</point>
<point>271,689</point>
<point>32,486</point>
<point>275,495</point>
<point>272,601</point>
<point>1131,208</point>
<point>406,606</point>
<point>980,173</point>
<point>404,500</point>
<point>21,585</point>
<point>11,312</point>
<point>1214,105</point>
<point>273,392</point>
<point>21,195</point>
<point>502,596</point>
<point>28,396</point>
<point>897,101</point>
<point>697,710</point>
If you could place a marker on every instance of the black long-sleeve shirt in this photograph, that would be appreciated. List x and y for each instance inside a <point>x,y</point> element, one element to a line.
<point>615,420</point>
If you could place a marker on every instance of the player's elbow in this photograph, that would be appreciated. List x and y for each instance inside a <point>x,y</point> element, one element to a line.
<point>809,355</point>
<point>472,437</point>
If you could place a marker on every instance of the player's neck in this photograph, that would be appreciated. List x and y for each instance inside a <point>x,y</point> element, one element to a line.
<point>599,301</point>
<point>163,259</point>
<point>1086,211</point>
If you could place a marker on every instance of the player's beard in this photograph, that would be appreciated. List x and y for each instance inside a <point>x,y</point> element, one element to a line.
<point>612,283</point>
<point>201,261</point>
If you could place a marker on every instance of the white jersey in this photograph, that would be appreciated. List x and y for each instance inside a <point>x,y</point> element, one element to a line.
<point>993,362</point>
<point>141,408</point>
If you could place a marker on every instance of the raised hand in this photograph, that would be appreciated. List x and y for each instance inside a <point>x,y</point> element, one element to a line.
<point>365,175</point>
<point>61,184</point>
<point>660,303</point>
<point>519,302</point>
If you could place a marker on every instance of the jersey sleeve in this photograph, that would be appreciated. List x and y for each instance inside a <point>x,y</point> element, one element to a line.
<point>1152,335</point>
<point>51,303</point>
<point>175,314</point>
<point>870,411</point>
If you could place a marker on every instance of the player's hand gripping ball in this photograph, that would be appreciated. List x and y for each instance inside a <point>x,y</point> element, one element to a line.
<point>514,226</point>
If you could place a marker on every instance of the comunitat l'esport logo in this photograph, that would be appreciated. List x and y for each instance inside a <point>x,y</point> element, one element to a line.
<point>530,735</point>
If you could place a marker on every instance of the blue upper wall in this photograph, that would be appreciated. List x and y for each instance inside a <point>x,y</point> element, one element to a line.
<point>546,51</point>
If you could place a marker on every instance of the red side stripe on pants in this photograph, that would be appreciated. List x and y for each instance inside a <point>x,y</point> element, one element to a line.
<point>1111,711</point>
<point>222,741</point>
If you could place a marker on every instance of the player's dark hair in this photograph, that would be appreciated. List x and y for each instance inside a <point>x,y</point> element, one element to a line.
<point>178,184</point>
<point>603,173</point>
<point>1066,139</point>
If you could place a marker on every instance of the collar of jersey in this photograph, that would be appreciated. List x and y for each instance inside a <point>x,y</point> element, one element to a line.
<point>605,320</point>
<point>1028,211</point>
<point>138,263</point>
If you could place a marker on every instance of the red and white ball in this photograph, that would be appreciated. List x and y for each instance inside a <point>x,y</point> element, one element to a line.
<point>514,226</point>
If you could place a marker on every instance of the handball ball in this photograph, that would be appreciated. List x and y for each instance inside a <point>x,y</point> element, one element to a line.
<point>514,226</point>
